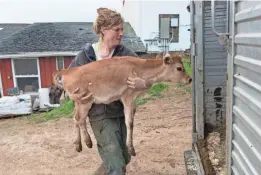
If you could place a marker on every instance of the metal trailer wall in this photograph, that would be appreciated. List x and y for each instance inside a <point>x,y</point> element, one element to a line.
<point>244,142</point>
<point>209,71</point>
<point>215,64</point>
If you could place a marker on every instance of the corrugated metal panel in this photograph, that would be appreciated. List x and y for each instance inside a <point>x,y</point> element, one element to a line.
<point>245,81</point>
<point>210,66</point>
<point>6,71</point>
<point>215,65</point>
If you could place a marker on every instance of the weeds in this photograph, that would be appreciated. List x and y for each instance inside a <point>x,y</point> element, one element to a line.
<point>65,110</point>
<point>153,93</point>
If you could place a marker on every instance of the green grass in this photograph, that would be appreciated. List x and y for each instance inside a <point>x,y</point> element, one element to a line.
<point>152,93</point>
<point>65,110</point>
<point>157,88</point>
<point>141,101</point>
<point>187,67</point>
<point>186,63</point>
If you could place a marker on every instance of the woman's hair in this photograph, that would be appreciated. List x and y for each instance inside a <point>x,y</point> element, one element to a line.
<point>106,18</point>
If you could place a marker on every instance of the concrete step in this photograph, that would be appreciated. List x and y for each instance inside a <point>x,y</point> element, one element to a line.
<point>192,163</point>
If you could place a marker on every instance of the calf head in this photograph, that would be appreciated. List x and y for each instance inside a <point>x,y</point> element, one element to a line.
<point>55,94</point>
<point>174,69</point>
<point>57,80</point>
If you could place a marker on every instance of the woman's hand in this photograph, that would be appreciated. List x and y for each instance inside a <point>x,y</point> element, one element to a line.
<point>137,83</point>
<point>80,98</point>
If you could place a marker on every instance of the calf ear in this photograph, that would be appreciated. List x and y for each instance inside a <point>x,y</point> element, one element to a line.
<point>167,59</point>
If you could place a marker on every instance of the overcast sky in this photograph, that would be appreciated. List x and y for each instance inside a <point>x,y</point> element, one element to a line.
<point>29,11</point>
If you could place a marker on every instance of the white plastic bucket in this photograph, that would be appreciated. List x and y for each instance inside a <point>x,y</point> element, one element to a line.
<point>44,97</point>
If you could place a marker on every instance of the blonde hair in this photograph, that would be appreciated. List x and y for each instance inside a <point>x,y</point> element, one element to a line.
<point>106,18</point>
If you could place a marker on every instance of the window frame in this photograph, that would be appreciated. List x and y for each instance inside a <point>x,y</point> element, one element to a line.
<point>57,62</point>
<point>26,76</point>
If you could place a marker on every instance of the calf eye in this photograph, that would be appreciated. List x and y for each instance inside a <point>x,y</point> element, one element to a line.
<point>179,68</point>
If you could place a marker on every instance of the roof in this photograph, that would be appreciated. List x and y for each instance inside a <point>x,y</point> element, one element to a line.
<point>60,37</point>
<point>7,29</point>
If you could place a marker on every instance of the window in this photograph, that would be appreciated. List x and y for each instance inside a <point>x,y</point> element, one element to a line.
<point>59,63</point>
<point>169,27</point>
<point>26,74</point>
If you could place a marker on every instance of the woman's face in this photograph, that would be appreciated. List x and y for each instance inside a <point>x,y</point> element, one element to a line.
<point>113,36</point>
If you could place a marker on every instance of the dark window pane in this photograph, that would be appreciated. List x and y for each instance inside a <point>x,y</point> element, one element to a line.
<point>25,67</point>
<point>30,84</point>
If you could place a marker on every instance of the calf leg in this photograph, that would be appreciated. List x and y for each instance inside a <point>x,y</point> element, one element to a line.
<point>129,119</point>
<point>77,142</point>
<point>83,110</point>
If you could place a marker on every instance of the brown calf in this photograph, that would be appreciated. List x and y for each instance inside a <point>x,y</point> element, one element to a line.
<point>105,81</point>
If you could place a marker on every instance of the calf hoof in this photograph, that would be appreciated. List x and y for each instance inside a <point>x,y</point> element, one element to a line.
<point>132,151</point>
<point>78,148</point>
<point>89,144</point>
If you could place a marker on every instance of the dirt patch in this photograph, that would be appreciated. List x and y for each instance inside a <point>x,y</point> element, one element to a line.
<point>162,133</point>
<point>212,151</point>
<point>217,149</point>
<point>204,156</point>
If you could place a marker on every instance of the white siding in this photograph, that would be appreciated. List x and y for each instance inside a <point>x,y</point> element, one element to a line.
<point>144,18</point>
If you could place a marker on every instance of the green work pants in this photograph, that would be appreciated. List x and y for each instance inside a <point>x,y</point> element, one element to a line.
<point>110,134</point>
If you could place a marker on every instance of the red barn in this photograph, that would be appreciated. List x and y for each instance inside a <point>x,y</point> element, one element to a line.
<point>29,56</point>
